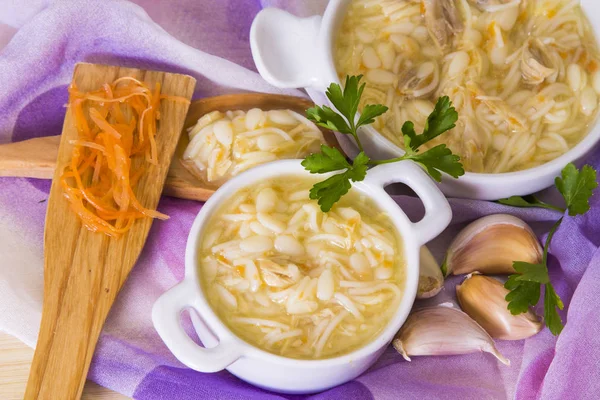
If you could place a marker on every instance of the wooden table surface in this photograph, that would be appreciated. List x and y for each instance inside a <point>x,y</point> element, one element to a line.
<point>15,361</point>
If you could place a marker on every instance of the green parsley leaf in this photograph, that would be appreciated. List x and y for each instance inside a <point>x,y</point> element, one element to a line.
<point>369,113</point>
<point>551,302</point>
<point>522,294</point>
<point>439,158</point>
<point>576,186</point>
<point>359,167</point>
<point>328,118</point>
<point>335,94</point>
<point>520,201</point>
<point>531,272</point>
<point>329,191</point>
<point>442,119</point>
<point>408,130</point>
<point>528,201</point>
<point>346,101</point>
<point>328,160</point>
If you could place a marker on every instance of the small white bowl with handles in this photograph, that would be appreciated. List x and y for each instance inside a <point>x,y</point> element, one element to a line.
<point>224,350</point>
<point>292,52</point>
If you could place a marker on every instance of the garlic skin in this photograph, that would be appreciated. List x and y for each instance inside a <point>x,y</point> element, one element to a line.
<point>482,298</point>
<point>443,330</point>
<point>431,279</point>
<point>490,244</point>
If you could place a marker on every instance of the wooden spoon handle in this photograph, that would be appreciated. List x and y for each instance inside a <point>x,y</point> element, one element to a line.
<point>36,158</point>
<point>33,158</point>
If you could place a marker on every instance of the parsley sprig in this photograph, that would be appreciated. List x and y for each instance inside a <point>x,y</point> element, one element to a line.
<point>576,187</point>
<point>435,160</point>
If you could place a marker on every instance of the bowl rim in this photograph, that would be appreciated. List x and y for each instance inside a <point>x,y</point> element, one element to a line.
<point>218,329</point>
<point>552,167</point>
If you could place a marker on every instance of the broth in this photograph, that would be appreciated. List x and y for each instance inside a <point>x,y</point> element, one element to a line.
<point>295,281</point>
<point>523,75</point>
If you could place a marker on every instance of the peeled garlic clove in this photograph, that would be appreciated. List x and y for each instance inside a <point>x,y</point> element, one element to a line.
<point>482,298</point>
<point>431,279</point>
<point>443,330</point>
<point>490,244</point>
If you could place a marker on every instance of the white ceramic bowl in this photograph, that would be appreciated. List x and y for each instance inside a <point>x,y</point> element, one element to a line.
<point>227,351</point>
<point>292,52</point>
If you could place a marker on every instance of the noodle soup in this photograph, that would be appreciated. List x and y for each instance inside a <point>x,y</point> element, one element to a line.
<point>222,145</point>
<point>523,75</point>
<point>295,281</point>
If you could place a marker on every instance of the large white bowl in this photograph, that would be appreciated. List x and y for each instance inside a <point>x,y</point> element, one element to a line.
<point>263,369</point>
<point>292,52</point>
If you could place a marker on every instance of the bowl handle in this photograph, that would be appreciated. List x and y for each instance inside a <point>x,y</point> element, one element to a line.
<point>285,49</point>
<point>166,318</point>
<point>437,210</point>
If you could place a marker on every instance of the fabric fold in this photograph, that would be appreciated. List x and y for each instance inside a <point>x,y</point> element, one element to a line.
<point>209,40</point>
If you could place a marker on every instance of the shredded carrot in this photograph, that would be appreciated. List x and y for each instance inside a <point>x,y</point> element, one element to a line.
<point>116,143</point>
<point>492,29</point>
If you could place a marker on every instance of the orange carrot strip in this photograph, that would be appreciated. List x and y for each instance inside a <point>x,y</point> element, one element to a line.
<point>115,124</point>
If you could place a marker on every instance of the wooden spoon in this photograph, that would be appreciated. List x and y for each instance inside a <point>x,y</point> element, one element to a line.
<point>36,158</point>
<point>83,270</point>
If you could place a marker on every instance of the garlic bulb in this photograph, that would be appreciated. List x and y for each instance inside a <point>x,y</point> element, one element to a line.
<point>443,330</point>
<point>490,244</point>
<point>431,279</point>
<point>482,298</point>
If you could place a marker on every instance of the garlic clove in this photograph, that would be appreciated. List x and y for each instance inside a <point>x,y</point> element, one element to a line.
<point>431,279</point>
<point>483,299</point>
<point>490,245</point>
<point>443,330</point>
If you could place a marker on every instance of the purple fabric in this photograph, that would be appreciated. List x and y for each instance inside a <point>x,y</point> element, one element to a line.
<point>209,39</point>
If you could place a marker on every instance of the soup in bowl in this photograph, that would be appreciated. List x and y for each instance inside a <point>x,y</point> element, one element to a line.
<point>288,297</point>
<point>522,74</point>
<point>298,282</point>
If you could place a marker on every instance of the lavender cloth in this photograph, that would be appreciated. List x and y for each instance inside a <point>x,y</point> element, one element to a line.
<point>209,39</point>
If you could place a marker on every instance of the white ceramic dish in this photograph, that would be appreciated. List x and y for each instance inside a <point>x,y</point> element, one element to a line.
<point>227,351</point>
<point>292,52</point>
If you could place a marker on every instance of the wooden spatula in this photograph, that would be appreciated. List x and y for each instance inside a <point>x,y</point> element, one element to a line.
<point>84,271</point>
<point>36,158</point>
